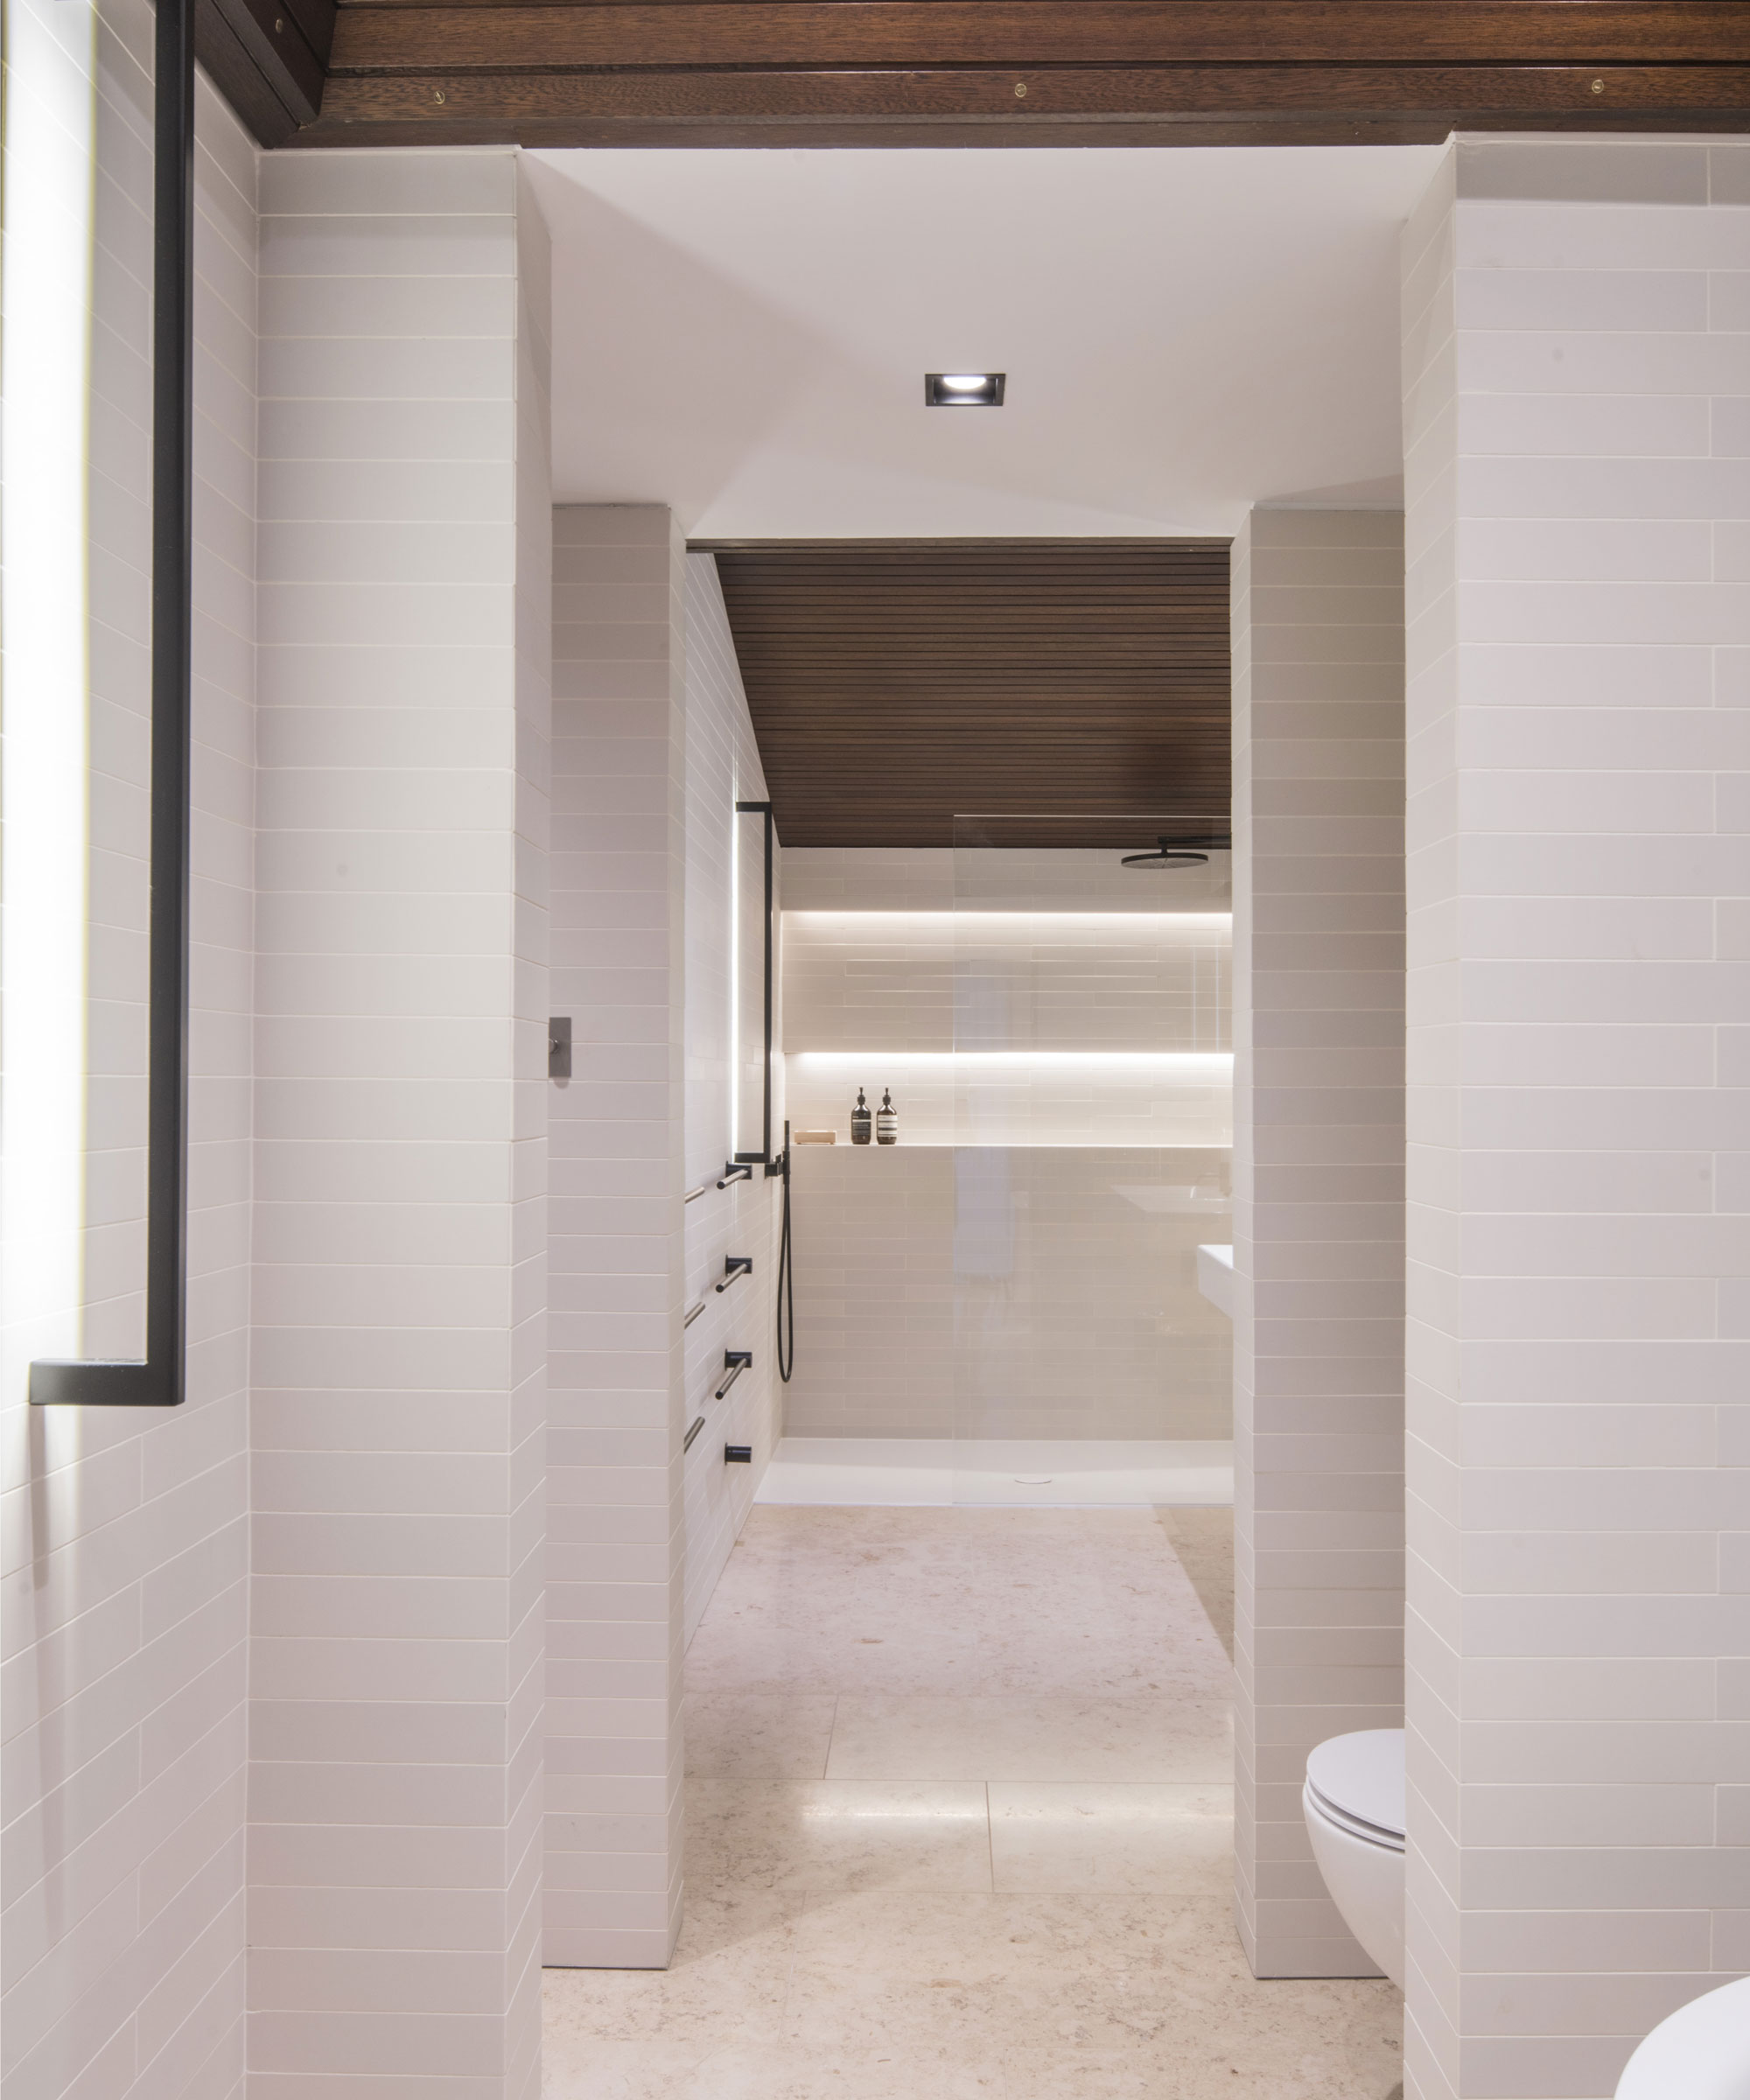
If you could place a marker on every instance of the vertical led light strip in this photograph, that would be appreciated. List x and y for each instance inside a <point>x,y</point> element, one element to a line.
<point>734,973</point>
<point>44,374</point>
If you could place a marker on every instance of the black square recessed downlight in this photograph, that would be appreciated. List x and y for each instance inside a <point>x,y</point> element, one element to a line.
<point>964,389</point>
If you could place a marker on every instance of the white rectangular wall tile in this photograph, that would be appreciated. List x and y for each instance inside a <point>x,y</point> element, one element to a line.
<point>616,1553</point>
<point>122,1629</point>
<point>1009,1291</point>
<point>400,1347</point>
<point>1574,368</point>
<point>1318,991</point>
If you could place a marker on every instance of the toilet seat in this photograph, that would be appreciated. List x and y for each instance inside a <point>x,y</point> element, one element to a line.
<point>1356,1782</point>
<point>1353,1800</point>
<point>1388,1841</point>
<point>1701,2051</point>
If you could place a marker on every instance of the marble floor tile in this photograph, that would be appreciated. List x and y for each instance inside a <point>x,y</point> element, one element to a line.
<point>1077,1836</point>
<point>728,1980</point>
<point>838,1834</point>
<point>958,1803</point>
<point>1332,2071</point>
<point>743,2071</point>
<point>1158,1981</point>
<point>1203,1543</point>
<point>1032,1738</point>
<point>1086,1601</point>
<point>758,1736</point>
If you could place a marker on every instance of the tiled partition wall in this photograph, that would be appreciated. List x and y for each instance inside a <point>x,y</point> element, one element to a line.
<point>1319,988</point>
<point>1009,1291</point>
<point>723,769</point>
<point>122,1623</point>
<point>616,1557</point>
<point>1576,367</point>
<point>1022,1264</point>
<point>399,1363</point>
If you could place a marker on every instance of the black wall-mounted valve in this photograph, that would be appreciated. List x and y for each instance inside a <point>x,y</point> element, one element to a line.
<point>738,1454</point>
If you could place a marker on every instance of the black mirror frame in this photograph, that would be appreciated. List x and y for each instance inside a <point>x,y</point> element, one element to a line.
<point>763,1157</point>
<point>158,1379</point>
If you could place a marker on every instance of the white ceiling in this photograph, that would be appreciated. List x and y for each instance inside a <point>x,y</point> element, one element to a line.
<point>744,335</point>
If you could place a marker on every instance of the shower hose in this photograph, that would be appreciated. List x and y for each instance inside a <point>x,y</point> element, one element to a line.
<point>786,1280</point>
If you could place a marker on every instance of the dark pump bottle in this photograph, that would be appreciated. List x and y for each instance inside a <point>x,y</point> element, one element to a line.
<point>886,1119</point>
<point>860,1120</point>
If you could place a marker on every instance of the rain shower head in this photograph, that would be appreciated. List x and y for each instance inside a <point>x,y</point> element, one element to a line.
<point>1172,852</point>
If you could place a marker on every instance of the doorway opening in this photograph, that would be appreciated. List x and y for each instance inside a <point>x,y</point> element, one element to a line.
<point>964,1683</point>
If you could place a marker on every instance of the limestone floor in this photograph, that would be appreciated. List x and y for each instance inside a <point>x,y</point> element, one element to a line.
<point>1203,1540</point>
<point>959,1822</point>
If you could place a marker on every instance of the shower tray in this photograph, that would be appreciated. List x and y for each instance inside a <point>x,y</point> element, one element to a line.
<point>940,1473</point>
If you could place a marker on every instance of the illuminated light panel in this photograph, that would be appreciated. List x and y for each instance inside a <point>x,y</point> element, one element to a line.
<point>1210,919</point>
<point>45,374</point>
<point>734,1059</point>
<point>1217,1060</point>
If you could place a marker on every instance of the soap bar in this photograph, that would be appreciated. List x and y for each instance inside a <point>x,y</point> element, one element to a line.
<point>813,1136</point>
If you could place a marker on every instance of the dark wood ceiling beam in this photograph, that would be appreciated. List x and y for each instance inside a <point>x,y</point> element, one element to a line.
<point>268,58</point>
<point>1184,106</point>
<point>820,33</point>
<point>992,73</point>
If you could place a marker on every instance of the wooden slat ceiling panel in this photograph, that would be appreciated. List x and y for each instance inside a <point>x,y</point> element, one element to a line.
<point>895,684</point>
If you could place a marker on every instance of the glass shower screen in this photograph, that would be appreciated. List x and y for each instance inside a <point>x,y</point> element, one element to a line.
<point>1091,1107</point>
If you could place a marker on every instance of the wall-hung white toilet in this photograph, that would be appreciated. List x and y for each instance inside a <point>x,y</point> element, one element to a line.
<point>1354,1804</point>
<point>1701,2052</point>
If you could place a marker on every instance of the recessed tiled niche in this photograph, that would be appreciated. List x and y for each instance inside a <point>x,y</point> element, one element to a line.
<point>1056,1034</point>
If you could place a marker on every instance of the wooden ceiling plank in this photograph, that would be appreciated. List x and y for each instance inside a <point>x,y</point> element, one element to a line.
<point>232,65</point>
<point>817,33</point>
<point>899,73</point>
<point>895,684</point>
<point>1190,106</point>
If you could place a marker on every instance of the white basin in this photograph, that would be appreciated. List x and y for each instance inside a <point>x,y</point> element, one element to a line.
<point>1215,1276</point>
<point>1701,2052</point>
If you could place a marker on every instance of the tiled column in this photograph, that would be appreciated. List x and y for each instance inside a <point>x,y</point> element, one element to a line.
<point>1577,372</point>
<point>1318,655</point>
<point>615,1558</point>
<point>400,1351</point>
